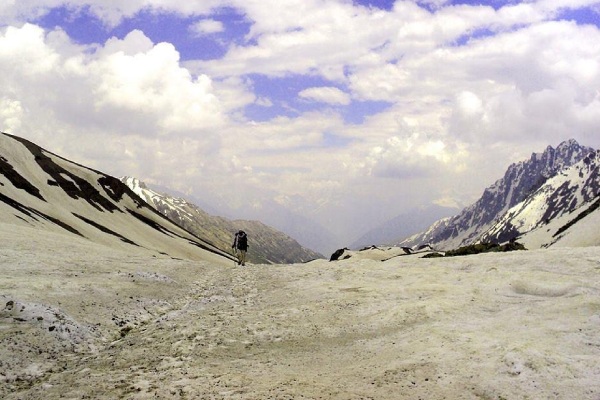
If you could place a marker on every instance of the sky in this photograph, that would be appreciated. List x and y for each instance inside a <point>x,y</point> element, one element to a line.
<point>348,113</point>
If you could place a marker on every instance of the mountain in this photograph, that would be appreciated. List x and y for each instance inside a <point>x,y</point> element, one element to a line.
<point>42,190</point>
<point>287,217</point>
<point>520,180</point>
<point>205,206</point>
<point>306,231</point>
<point>563,211</point>
<point>267,245</point>
<point>403,226</point>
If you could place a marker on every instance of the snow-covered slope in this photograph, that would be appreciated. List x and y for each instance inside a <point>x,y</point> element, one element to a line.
<point>378,253</point>
<point>176,209</point>
<point>267,245</point>
<point>562,211</point>
<point>520,180</point>
<point>83,321</point>
<point>42,190</point>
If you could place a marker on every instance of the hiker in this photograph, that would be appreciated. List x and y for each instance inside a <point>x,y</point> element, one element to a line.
<point>240,246</point>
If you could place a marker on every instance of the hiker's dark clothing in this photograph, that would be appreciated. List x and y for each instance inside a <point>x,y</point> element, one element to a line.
<point>240,245</point>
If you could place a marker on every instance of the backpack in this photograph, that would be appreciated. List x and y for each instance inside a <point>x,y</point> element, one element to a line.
<point>241,241</point>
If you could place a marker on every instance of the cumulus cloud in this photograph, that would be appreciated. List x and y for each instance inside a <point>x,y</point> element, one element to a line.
<point>25,46</point>
<point>329,95</point>
<point>408,158</point>
<point>497,87</point>
<point>11,114</point>
<point>125,107</point>
<point>311,36</point>
<point>306,36</point>
<point>459,80</point>
<point>135,42</point>
<point>152,83</point>
<point>130,77</point>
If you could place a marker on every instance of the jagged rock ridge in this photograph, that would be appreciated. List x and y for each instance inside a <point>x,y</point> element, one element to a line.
<point>520,181</point>
<point>556,207</point>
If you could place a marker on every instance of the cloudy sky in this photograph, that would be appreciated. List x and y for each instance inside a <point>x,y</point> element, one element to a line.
<point>346,112</point>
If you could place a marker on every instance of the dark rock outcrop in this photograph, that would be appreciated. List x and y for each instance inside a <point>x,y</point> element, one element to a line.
<point>337,254</point>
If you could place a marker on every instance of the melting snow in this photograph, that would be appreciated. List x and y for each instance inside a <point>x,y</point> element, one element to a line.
<point>513,325</point>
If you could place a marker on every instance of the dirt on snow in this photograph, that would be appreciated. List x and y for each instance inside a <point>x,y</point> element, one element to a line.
<point>81,321</point>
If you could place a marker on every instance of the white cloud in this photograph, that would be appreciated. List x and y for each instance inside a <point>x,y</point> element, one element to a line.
<point>413,157</point>
<point>135,42</point>
<point>264,102</point>
<point>313,36</point>
<point>125,107</point>
<point>329,95</point>
<point>521,83</point>
<point>24,52</point>
<point>207,27</point>
<point>285,133</point>
<point>153,84</point>
<point>11,114</point>
<point>497,87</point>
<point>306,36</point>
<point>128,84</point>
<point>110,12</point>
<point>469,103</point>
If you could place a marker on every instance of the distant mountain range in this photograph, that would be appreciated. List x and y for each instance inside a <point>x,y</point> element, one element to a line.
<point>558,188</point>
<point>403,225</point>
<point>267,245</point>
<point>43,191</point>
<point>551,199</point>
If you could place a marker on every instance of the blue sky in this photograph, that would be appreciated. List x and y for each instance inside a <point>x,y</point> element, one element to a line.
<point>84,27</point>
<point>322,108</point>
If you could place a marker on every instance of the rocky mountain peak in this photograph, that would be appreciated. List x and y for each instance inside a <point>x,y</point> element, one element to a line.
<point>520,180</point>
<point>133,182</point>
<point>555,159</point>
<point>563,200</point>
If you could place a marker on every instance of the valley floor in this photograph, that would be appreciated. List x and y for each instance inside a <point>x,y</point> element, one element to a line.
<point>81,321</point>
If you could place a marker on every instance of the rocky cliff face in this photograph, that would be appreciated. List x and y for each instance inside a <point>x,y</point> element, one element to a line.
<point>520,181</point>
<point>267,245</point>
<point>568,197</point>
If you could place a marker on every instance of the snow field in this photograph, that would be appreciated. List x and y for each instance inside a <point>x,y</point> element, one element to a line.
<point>492,326</point>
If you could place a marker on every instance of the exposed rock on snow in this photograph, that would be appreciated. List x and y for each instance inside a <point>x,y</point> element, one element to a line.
<point>43,190</point>
<point>377,253</point>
